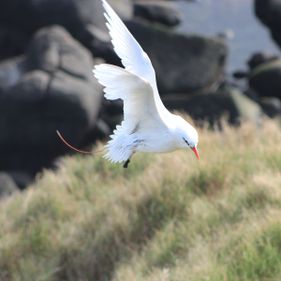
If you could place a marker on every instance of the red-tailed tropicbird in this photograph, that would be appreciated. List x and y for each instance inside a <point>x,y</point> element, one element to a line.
<point>147,126</point>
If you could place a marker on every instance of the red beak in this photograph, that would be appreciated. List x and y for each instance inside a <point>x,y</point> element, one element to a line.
<point>196,152</point>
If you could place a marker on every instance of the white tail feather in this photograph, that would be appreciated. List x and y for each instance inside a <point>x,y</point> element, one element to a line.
<point>121,146</point>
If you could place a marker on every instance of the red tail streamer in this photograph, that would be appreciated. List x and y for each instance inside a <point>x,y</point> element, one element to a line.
<point>70,146</point>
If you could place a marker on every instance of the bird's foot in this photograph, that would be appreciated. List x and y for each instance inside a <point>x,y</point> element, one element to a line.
<point>126,164</point>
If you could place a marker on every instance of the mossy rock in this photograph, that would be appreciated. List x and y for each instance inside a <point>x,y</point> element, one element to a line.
<point>265,79</point>
<point>228,103</point>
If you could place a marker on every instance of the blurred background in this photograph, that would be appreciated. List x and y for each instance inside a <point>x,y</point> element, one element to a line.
<point>236,20</point>
<point>212,59</point>
<point>68,217</point>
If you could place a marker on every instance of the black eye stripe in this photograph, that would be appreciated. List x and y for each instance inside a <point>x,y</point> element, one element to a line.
<point>186,141</point>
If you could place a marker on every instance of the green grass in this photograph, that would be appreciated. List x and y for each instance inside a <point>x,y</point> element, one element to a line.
<point>166,217</point>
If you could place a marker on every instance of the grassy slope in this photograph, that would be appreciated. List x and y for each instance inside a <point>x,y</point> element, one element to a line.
<point>167,217</point>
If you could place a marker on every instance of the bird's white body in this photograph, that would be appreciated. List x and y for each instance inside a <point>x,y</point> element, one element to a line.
<point>147,126</point>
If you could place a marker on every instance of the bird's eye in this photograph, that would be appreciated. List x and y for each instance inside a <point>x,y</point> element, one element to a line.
<point>186,141</point>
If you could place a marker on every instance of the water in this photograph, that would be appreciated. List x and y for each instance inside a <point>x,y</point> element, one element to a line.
<point>210,17</point>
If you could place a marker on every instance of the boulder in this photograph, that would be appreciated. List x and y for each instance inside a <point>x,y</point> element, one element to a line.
<point>269,13</point>
<point>228,102</point>
<point>271,106</point>
<point>240,74</point>
<point>265,79</point>
<point>158,11</point>
<point>55,90</point>
<point>98,42</point>
<point>260,58</point>
<point>12,42</point>
<point>30,15</point>
<point>183,62</point>
<point>53,49</point>
<point>22,179</point>
<point>22,18</point>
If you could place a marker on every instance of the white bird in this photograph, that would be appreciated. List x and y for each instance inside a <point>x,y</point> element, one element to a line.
<point>147,126</point>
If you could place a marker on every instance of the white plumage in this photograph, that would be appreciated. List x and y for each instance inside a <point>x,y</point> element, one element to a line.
<point>147,126</point>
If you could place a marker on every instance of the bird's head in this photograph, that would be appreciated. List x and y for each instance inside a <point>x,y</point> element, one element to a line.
<point>187,136</point>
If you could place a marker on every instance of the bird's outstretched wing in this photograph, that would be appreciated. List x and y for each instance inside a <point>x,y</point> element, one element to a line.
<point>137,94</point>
<point>134,59</point>
<point>140,113</point>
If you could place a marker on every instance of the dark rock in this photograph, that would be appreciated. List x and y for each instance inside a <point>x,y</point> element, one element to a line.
<point>112,113</point>
<point>101,131</point>
<point>260,58</point>
<point>7,185</point>
<point>24,18</point>
<point>266,79</point>
<point>269,13</point>
<point>98,42</point>
<point>183,63</point>
<point>73,15</point>
<point>12,42</point>
<point>53,48</point>
<point>56,91</point>
<point>271,106</point>
<point>240,74</point>
<point>158,11</point>
<point>227,103</point>
<point>22,179</point>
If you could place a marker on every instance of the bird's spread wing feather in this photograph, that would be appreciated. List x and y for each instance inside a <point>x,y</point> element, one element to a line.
<point>133,58</point>
<point>135,85</point>
<point>137,94</point>
<point>139,108</point>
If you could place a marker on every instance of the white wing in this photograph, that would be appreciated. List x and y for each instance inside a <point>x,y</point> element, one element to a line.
<point>134,59</point>
<point>140,113</point>
<point>137,94</point>
<point>126,47</point>
<point>135,85</point>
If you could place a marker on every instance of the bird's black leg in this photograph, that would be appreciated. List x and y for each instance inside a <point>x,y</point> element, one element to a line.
<point>128,160</point>
<point>126,163</point>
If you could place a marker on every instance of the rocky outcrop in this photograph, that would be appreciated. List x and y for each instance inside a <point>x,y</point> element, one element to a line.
<point>158,11</point>
<point>271,106</point>
<point>260,58</point>
<point>12,41</point>
<point>51,88</point>
<point>183,62</point>
<point>19,20</point>
<point>265,79</point>
<point>269,13</point>
<point>229,103</point>
<point>37,14</point>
